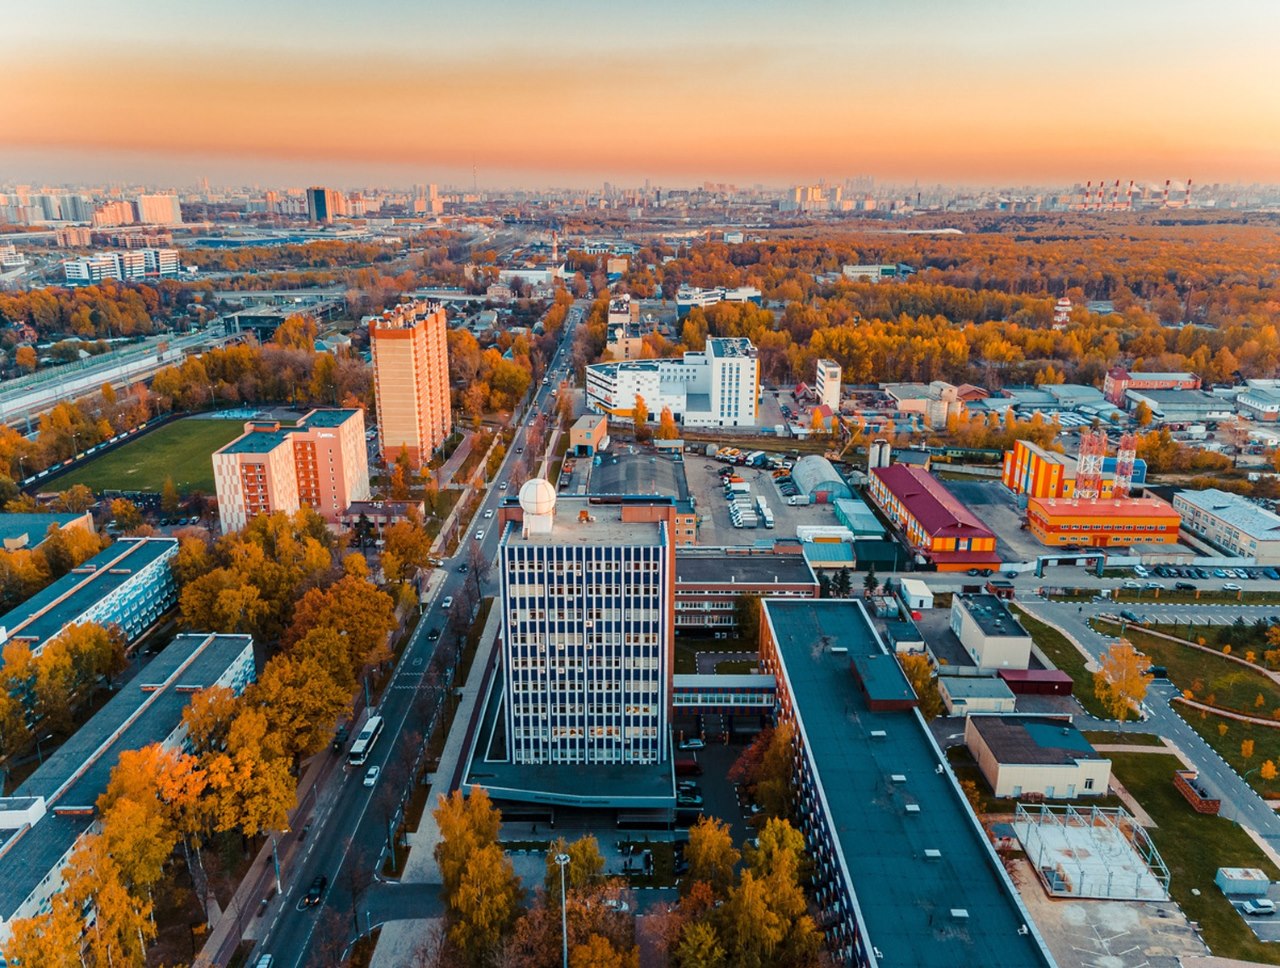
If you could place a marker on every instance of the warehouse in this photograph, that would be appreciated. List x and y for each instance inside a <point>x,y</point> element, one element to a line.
<point>1103,522</point>
<point>990,633</point>
<point>1021,755</point>
<point>933,521</point>
<point>817,478</point>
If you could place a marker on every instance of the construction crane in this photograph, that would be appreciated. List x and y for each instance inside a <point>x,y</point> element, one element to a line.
<point>1093,450</point>
<point>1125,458</point>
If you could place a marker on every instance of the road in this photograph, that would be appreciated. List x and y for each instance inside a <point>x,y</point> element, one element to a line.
<point>1239,802</point>
<point>348,826</point>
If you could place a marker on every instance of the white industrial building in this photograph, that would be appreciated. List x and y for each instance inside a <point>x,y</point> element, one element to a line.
<point>962,695</point>
<point>127,264</point>
<point>1232,523</point>
<point>990,633</point>
<point>718,387</point>
<point>1023,755</point>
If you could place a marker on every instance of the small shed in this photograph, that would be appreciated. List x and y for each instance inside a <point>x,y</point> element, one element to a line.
<point>904,637</point>
<point>915,594</point>
<point>962,695</point>
<point>1246,881</point>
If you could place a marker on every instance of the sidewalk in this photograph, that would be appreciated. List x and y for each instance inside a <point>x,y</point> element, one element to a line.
<point>399,939</point>
<point>239,919</point>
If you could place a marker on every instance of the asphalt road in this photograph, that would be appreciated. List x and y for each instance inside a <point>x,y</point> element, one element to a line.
<point>349,822</point>
<point>1239,802</point>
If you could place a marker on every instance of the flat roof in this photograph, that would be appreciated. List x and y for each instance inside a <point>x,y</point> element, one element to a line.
<point>991,614</point>
<point>28,530</point>
<point>903,896</point>
<point>605,527</point>
<point>727,569</point>
<point>326,418</point>
<point>1031,740</point>
<point>1103,507</point>
<point>730,346</point>
<point>1234,511</point>
<point>971,687</point>
<point>47,612</point>
<point>146,710</point>
<point>256,442</point>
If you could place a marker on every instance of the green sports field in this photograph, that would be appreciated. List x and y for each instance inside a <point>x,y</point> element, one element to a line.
<point>180,450</point>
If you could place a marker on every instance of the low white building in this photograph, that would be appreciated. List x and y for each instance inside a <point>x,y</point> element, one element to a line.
<point>915,594</point>
<point>1231,522</point>
<point>990,633</point>
<point>1036,755</point>
<point>718,387</point>
<point>962,695</point>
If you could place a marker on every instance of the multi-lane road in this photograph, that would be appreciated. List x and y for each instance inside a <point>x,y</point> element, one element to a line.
<point>345,822</point>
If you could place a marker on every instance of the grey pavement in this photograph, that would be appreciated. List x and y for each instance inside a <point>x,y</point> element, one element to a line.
<point>1239,802</point>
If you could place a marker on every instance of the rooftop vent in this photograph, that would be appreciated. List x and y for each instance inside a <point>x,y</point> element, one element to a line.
<point>878,734</point>
<point>839,650</point>
<point>960,914</point>
<point>912,808</point>
<point>898,777</point>
<point>933,854</point>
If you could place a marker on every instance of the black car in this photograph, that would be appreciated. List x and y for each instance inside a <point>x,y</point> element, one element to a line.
<point>462,568</point>
<point>1184,586</point>
<point>1129,616</point>
<point>433,634</point>
<point>315,893</point>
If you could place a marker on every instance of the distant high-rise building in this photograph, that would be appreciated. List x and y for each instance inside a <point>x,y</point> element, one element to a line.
<point>411,380</point>
<point>827,385</point>
<point>114,213</point>
<point>133,264</point>
<point>159,210</point>
<point>588,609</point>
<point>322,464</point>
<point>324,204</point>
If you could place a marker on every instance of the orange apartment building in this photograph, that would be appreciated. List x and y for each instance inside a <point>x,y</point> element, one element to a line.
<point>321,464</point>
<point>936,524</point>
<point>1102,523</point>
<point>1030,469</point>
<point>411,380</point>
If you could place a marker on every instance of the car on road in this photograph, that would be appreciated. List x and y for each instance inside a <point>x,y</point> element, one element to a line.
<point>1230,586</point>
<point>315,893</point>
<point>488,513</point>
<point>1129,616</point>
<point>1154,584</point>
<point>371,775</point>
<point>1257,906</point>
<point>693,744</point>
<point>480,535</point>
<point>447,603</point>
<point>1184,586</point>
<point>433,634</point>
<point>463,568</point>
<point>616,904</point>
<point>519,450</point>
<point>1130,583</point>
<point>502,486</point>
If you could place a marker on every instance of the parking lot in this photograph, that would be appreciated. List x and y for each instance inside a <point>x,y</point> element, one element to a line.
<point>996,507</point>
<point>702,475</point>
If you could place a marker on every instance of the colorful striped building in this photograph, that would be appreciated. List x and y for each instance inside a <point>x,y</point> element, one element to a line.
<point>1103,523</point>
<point>1030,469</point>
<point>933,520</point>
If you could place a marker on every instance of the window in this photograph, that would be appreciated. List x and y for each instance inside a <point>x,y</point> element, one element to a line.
<point>1088,783</point>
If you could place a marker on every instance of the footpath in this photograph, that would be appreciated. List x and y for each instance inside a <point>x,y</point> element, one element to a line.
<point>400,939</point>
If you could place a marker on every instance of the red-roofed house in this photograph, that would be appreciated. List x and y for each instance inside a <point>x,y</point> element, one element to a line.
<point>935,523</point>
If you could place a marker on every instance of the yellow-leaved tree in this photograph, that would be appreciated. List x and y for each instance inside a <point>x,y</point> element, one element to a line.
<point>1122,681</point>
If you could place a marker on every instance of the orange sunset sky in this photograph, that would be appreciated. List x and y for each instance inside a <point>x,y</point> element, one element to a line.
<point>981,92</point>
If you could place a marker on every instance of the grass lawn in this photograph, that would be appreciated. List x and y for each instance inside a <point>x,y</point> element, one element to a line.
<point>180,449</point>
<point>1121,739</point>
<point>1066,657</point>
<point>1194,847</point>
<point>1266,745</point>
<point>1166,596</point>
<point>1213,679</point>
<point>736,667</point>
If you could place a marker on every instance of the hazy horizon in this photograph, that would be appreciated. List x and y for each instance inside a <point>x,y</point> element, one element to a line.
<point>986,94</point>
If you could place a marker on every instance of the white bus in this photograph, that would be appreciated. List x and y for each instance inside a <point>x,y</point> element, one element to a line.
<point>364,742</point>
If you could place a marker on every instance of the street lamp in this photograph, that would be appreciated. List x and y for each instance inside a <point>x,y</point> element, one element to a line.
<point>562,861</point>
<point>39,751</point>
<point>275,858</point>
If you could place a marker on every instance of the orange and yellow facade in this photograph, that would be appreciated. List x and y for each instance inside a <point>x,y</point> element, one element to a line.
<point>411,380</point>
<point>933,521</point>
<point>1030,469</point>
<point>1102,523</point>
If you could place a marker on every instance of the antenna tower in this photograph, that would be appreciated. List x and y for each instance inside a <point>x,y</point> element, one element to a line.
<point>1093,448</point>
<point>1125,457</point>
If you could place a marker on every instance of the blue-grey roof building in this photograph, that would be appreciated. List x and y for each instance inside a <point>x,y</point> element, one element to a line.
<point>23,530</point>
<point>128,585</point>
<point>904,874</point>
<point>56,806</point>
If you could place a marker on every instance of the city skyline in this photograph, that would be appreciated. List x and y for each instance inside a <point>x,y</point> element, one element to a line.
<point>991,94</point>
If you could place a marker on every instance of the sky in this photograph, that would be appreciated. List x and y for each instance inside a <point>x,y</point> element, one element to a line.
<point>982,92</point>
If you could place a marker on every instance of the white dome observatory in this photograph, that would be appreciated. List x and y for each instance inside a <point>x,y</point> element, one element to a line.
<point>538,501</point>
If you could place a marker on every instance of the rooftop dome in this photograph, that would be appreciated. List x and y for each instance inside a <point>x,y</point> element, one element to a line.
<point>537,496</point>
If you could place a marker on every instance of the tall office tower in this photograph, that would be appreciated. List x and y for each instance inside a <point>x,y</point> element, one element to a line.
<point>411,380</point>
<point>113,213</point>
<point>159,210</point>
<point>588,608</point>
<point>322,464</point>
<point>325,203</point>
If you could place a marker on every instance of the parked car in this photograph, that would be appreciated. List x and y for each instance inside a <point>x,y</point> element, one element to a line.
<point>315,893</point>
<point>1272,573</point>
<point>1130,583</point>
<point>1219,573</point>
<point>693,744</point>
<point>371,775</point>
<point>616,904</point>
<point>1129,616</point>
<point>1257,906</point>
<point>1154,584</point>
<point>1184,586</point>
<point>688,800</point>
<point>1230,586</point>
<point>1141,571</point>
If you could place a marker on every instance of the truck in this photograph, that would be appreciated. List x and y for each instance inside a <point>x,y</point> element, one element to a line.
<point>798,500</point>
<point>767,516</point>
<point>755,457</point>
<point>737,487</point>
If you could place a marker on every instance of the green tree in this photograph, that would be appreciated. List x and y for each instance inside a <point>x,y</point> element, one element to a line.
<point>871,582</point>
<point>585,868</point>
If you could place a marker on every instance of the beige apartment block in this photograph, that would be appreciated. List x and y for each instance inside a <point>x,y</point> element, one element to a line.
<point>411,380</point>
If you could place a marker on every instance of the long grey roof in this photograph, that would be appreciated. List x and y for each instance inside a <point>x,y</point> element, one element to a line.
<point>1238,512</point>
